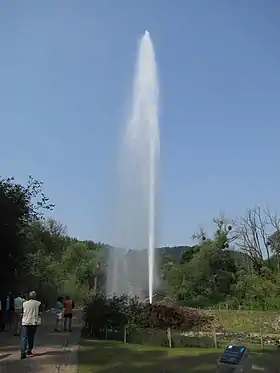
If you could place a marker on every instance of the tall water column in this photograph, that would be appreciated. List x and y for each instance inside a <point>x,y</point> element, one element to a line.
<point>132,264</point>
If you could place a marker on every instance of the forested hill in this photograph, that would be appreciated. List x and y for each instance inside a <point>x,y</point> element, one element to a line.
<point>173,251</point>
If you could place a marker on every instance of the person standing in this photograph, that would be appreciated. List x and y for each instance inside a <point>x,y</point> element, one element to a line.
<point>68,313</point>
<point>2,316</point>
<point>18,302</point>
<point>9,311</point>
<point>58,313</point>
<point>31,318</point>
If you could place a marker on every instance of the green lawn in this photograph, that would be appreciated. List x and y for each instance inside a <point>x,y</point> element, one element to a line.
<point>248,321</point>
<point>116,357</point>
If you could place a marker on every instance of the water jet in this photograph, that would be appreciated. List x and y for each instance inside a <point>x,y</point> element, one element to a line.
<point>132,268</point>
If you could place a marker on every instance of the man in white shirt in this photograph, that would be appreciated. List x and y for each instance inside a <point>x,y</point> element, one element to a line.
<point>31,318</point>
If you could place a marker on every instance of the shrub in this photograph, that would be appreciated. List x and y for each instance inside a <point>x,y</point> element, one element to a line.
<point>113,313</point>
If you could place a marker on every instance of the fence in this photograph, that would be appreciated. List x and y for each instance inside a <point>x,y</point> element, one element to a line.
<point>265,306</point>
<point>175,338</point>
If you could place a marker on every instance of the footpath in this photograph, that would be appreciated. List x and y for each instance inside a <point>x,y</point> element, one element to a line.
<point>54,352</point>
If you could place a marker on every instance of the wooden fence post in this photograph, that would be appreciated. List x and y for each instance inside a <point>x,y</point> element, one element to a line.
<point>214,337</point>
<point>125,334</point>
<point>169,337</point>
<point>261,337</point>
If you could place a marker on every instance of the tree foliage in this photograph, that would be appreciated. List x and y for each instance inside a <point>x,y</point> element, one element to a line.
<point>37,253</point>
<point>19,207</point>
<point>237,266</point>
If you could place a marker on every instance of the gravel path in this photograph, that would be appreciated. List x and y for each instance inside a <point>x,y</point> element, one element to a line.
<point>53,353</point>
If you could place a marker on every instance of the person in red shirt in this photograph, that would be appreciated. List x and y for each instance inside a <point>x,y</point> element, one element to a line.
<point>68,313</point>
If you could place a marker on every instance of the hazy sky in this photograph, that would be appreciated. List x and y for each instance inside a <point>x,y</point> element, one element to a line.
<point>66,71</point>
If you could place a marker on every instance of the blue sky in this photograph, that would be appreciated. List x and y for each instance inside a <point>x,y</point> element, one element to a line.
<point>66,71</point>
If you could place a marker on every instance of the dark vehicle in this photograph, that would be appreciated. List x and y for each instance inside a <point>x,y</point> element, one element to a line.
<point>233,354</point>
<point>235,358</point>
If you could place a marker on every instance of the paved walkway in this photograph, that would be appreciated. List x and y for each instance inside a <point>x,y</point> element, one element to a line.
<point>53,353</point>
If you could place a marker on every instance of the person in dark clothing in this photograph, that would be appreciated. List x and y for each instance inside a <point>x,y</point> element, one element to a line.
<point>2,314</point>
<point>8,308</point>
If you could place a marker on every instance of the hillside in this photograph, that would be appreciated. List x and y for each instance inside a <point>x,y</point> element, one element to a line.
<point>174,252</point>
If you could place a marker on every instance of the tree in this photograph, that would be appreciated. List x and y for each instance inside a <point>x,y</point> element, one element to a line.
<point>254,236</point>
<point>19,206</point>
<point>205,272</point>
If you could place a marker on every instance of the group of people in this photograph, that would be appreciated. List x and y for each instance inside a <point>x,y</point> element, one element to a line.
<point>64,309</point>
<point>24,315</point>
<point>9,307</point>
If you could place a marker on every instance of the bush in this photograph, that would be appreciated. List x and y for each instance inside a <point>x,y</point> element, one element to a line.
<point>113,313</point>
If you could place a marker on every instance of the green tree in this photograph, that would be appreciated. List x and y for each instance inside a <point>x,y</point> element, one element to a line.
<point>19,206</point>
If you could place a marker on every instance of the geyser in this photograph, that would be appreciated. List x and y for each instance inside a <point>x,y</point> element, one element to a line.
<point>131,266</point>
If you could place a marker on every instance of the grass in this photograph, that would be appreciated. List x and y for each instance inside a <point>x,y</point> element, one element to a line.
<point>117,357</point>
<point>248,321</point>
